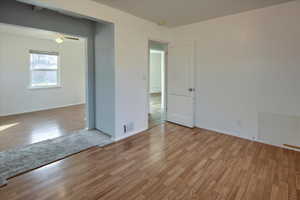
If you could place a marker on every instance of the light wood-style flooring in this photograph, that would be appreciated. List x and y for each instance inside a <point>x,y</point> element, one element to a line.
<point>167,162</point>
<point>156,115</point>
<point>24,129</point>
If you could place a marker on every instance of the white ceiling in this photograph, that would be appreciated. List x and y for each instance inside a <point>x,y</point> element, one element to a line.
<point>173,13</point>
<point>30,32</point>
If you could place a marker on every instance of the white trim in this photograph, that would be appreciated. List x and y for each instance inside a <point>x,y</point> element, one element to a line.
<point>276,145</point>
<point>88,107</point>
<point>41,109</point>
<point>32,51</point>
<point>44,87</point>
<point>247,138</point>
<point>125,136</point>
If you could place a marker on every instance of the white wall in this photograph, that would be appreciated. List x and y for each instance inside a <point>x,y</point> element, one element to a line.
<point>15,76</point>
<point>248,73</point>
<point>104,78</point>
<point>131,58</point>
<point>155,72</point>
<point>247,66</point>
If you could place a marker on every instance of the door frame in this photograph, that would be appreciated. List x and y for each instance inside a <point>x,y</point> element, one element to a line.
<point>88,96</point>
<point>166,43</point>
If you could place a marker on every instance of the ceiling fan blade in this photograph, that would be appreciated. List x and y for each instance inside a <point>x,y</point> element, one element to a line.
<point>71,38</point>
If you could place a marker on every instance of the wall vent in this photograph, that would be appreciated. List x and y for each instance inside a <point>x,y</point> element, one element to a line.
<point>129,127</point>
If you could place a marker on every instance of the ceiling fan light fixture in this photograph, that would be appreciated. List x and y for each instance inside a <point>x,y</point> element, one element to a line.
<point>162,23</point>
<point>59,40</point>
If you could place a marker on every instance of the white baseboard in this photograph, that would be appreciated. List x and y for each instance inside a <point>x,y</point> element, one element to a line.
<point>247,138</point>
<point>124,136</point>
<point>225,132</point>
<point>39,109</point>
<point>276,145</point>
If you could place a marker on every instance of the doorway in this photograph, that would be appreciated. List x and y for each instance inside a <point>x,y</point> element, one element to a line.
<point>157,83</point>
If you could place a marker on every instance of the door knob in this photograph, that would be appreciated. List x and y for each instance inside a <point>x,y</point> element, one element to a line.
<point>191,89</point>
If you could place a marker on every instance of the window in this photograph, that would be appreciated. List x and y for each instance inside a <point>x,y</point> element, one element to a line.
<point>44,69</point>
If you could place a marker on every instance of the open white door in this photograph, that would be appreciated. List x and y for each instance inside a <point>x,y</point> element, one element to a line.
<point>180,79</point>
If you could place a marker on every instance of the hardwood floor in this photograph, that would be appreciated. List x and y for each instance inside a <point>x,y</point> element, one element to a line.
<point>24,129</point>
<point>167,162</point>
<point>156,116</point>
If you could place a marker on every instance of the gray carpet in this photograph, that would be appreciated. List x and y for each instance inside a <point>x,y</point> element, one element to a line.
<point>20,160</point>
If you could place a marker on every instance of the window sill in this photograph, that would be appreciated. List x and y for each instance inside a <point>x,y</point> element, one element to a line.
<point>44,87</point>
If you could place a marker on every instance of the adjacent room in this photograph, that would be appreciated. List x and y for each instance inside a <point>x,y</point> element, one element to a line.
<point>42,85</point>
<point>48,112</point>
<point>157,93</point>
<point>149,100</point>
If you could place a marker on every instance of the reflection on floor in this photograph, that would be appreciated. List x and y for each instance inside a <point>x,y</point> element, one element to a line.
<point>48,151</point>
<point>24,129</point>
<point>167,162</point>
<point>156,115</point>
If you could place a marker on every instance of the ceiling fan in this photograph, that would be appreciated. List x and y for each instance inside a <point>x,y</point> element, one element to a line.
<point>61,38</point>
<point>71,38</point>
